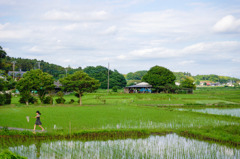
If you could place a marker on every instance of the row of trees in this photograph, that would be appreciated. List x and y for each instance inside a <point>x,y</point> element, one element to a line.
<point>136,75</point>
<point>180,76</point>
<point>43,83</point>
<point>28,64</point>
<point>99,72</point>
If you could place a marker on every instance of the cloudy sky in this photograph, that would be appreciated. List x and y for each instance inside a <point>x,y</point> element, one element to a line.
<point>196,36</point>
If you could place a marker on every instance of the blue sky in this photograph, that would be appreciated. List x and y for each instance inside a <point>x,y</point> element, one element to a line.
<point>200,37</point>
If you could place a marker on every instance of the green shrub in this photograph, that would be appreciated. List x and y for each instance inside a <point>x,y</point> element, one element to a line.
<point>31,100</point>
<point>5,130</point>
<point>115,89</point>
<point>71,101</point>
<point>47,100</point>
<point>2,99</point>
<point>5,98</point>
<point>6,154</point>
<point>60,100</point>
<point>8,97</point>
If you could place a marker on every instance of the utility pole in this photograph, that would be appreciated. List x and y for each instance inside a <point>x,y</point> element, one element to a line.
<point>108,78</point>
<point>39,65</point>
<point>14,62</point>
<point>66,71</point>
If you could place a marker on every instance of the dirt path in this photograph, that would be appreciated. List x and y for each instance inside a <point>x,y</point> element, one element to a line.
<point>22,129</point>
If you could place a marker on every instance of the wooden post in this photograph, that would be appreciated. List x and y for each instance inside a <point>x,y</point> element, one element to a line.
<point>108,78</point>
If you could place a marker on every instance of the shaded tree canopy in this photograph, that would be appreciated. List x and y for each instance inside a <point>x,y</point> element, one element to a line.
<point>79,82</point>
<point>101,73</point>
<point>188,83</point>
<point>159,76</point>
<point>28,64</point>
<point>181,75</point>
<point>3,54</point>
<point>36,80</point>
<point>136,75</point>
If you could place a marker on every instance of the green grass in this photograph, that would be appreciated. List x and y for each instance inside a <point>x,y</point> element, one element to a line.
<point>129,112</point>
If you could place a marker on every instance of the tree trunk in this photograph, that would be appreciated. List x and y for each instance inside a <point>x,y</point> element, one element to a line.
<point>80,99</point>
<point>26,102</point>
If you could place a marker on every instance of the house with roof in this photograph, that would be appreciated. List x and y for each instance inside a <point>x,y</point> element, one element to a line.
<point>16,73</point>
<point>142,87</point>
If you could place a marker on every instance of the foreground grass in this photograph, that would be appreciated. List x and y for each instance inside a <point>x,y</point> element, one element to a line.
<point>116,120</point>
<point>118,114</point>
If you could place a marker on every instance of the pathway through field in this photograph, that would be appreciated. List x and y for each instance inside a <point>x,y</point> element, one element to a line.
<point>22,129</point>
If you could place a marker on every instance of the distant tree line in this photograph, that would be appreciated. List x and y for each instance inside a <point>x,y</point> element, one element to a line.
<point>136,75</point>
<point>28,64</point>
<point>180,76</point>
<point>100,73</point>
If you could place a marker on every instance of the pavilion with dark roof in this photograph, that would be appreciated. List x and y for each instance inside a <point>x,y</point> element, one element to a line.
<point>142,87</point>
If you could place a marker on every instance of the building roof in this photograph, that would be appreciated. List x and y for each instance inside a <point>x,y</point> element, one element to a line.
<point>140,85</point>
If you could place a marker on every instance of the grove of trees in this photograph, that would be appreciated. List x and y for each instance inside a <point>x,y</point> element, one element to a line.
<point>101,73</point>
<point>136,75</point>
<point>35,80</point>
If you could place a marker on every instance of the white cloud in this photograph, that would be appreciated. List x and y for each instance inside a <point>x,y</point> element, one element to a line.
<point>110,30</point>
<point>210,49</point>
<point>7,2</point>
<point>60,15</point>
<point>227,24</point>
<point>190,62</point>
<point>35,49</point>
<point>121,57</point>
<point>237,60</point>
<point>130,34</point>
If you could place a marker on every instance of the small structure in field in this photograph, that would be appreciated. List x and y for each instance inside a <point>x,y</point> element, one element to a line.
<point>142,87</point>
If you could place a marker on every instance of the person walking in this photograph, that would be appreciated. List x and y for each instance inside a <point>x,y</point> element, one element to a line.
<point>38,122</point>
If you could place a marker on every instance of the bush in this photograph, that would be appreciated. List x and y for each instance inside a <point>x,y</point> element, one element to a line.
<point>71,101</point>
<point>32,100</point>
<point>2,99</point>
<point>115,89</point>
<point>5,98</point>
<point>8,97</point>
<point>47,100</point>
<point>60,100</point>
<point>8,154</point>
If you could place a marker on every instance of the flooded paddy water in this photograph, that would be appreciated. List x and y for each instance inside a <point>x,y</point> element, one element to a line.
<point>219,111</point>
<point>169,146</point>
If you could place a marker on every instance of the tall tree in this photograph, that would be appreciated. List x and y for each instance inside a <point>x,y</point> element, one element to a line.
<point>159,77</point>
<point>38,81</point>
<point>3,54</point>
<point>79,82</point>
<point>24,86</point>
<point>188,83</point>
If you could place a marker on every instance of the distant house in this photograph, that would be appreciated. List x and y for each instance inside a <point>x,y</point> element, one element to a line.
<point>58,86</point>
<point>142,87</point>
<point>16,73</point>
<point>177,83</point>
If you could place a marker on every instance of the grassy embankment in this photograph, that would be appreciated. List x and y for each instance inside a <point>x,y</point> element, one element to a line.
<point>127,115</point>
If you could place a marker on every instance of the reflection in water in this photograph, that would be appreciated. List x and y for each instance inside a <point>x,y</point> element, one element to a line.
<point>232,112</point>
<point>169,146</point>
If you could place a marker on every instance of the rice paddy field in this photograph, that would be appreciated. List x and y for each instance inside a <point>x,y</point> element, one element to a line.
<point>204,124</point>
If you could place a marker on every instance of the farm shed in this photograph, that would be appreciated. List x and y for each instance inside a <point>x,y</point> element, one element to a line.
<point>142,87</point>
